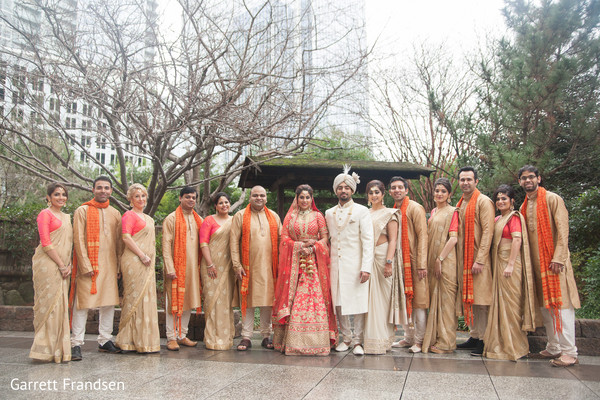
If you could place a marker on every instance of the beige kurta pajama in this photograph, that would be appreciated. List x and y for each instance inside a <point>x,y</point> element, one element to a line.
<point>109,253</point>
<point>191,297</point>
<point>261,284</point>
<point>417,238</point>
<point>559,221</point>
<point>482,282</point>
<point>50,310</point>
<point>138,327</point>
<point>261,289</point>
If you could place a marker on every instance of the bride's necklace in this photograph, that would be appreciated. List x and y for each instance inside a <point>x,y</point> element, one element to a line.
<point>303,222</point>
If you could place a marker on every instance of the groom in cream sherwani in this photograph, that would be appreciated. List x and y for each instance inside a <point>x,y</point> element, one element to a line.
<point>351,234</point>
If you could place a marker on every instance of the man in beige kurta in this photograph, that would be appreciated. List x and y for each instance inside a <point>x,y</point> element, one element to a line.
<point>261,284</point>
<point>414,331</point>
<point>109,253</point>
<point>191,297</point>
<point>482,264</point>
<point>560,345</point>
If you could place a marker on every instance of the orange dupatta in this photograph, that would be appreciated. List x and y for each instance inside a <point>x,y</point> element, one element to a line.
<point>408,281</point>
<point>247,219</point>
<point>92,231</point>
<point>180,265</point>
<point>550,280</point>
<point>469,250</point>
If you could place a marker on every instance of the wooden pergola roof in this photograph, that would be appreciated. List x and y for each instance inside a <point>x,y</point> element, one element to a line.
<point>287,173</point>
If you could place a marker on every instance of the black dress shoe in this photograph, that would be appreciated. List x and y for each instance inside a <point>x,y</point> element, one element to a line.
<point>109,347</point>
<point>478,350</point>
<point>470,344</point>
<point>76,353</point>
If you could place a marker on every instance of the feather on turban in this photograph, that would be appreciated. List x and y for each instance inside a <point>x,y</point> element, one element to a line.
<point>350,180</point>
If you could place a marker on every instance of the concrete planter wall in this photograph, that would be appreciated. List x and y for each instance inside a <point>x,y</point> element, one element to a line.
<point>587,337</point>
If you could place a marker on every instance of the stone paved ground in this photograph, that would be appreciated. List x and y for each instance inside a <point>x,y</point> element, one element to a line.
<point>197,373</point>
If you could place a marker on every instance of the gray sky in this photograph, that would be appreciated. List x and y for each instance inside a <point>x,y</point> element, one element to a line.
<point>461,24</point>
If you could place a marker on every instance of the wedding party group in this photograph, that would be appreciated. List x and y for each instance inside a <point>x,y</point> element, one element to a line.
<point>344,280</point>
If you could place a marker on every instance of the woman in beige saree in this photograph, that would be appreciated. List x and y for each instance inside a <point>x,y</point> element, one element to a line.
<point>442,232</point>
<point>512,310</point>
<point>379,326</point>
<point>138,328</point>
<point>51,267</point>
<point>217,276</point>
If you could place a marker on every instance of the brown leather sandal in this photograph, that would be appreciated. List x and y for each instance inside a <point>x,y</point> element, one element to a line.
<point>244,344</point>
<point>267,343</point>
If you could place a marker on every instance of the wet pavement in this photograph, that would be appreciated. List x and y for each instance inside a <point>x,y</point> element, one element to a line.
<point>198,373</point>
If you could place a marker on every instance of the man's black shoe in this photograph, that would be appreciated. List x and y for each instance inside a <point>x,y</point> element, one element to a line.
<point>478,350</point>
<point>76,353</point>
<point>470,344</point>
<point>109,347</point>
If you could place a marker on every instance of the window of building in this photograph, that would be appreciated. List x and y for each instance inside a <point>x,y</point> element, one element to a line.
<point>86,141</point>
<point>2,72</point>
<point>86,125</point>
<point>87,110</point>
<point>19,77</point>
<point>18,96</point>
<point>54,105</point>
<point>101,142</point>
<point>112,159</point>
<point>70,123</point>
<point>72,107</point>
<point>2,94</point>
<point>37,83</point>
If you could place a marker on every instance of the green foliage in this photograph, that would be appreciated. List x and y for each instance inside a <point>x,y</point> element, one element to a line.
<point>158,270</point>
<point>584,219</point>
<point>338,146</point>
<point>590,289</point>
<point>541,95</point>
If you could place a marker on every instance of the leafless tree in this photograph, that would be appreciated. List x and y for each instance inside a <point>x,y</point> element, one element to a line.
<point>425,113</point>
<point>231,81</point>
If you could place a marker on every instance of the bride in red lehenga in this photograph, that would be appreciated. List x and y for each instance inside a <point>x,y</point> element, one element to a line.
<point>303,318</point>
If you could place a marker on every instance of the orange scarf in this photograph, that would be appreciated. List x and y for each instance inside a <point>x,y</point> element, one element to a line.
<point>92,230</point>
<point>274,230</point>
<point>550,280</point>
<point>180,264</point>
<point>408,281</point>
<point>469,250</point>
